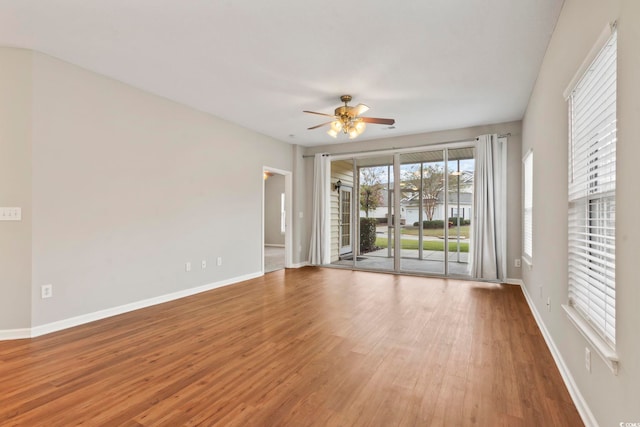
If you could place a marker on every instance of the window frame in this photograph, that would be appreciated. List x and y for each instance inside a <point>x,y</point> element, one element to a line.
<point>592,119</point>
<point>527,207</point>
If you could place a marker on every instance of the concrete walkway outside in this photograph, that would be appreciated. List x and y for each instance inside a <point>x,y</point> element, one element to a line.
<point>432,262</point>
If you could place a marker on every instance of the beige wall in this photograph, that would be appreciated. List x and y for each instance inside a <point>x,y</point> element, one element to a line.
<point>15,187</point>
<point>514,168</point>
<point>273,189</point>
<point>125,188</point>
<point>611,399</point>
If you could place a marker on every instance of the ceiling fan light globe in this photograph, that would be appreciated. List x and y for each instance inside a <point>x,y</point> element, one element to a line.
<point>353,133</point>
<point>336,125</point>
<point>360,127</point>
<point>332,133</point>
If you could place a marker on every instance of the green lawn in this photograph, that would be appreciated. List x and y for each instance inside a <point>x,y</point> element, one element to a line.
<point>428,245</point>
<point>453,231</point>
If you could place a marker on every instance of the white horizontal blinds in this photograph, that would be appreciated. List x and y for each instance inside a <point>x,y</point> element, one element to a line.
<point>528,207</point>
<point>592,184</point>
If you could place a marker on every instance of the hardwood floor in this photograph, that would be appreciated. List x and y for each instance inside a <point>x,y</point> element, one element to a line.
<point>303,347</point>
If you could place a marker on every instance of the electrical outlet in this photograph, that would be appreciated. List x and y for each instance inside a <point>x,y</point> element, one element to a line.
<point>549,304</point>
<point>46,291</point>
<point>517,263</point>
<point>204,264</point>
<point>587,359</point>
<point>219,261</point>
<point>187,266</point>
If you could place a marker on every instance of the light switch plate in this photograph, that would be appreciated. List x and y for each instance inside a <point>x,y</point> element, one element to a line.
<point>10,214</point>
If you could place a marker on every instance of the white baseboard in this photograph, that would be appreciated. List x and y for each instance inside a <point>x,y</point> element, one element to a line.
<point>103,314</point>
<point>274,245</point>
<point>15,334</point>
<point>518,282</point>
<point>583,409</point>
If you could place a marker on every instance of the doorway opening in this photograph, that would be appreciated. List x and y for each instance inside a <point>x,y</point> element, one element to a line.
<point>276,219</point>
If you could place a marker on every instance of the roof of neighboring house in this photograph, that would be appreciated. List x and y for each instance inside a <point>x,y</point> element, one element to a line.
<point>466,198</point>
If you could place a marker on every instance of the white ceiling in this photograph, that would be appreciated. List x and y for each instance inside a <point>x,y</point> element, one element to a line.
<point>430,64</point>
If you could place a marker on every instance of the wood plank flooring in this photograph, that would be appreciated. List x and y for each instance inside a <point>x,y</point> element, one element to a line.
<point>307,347</point>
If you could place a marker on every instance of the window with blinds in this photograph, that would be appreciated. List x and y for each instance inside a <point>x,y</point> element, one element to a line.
<point>592,191</point>
<point>527,215</point>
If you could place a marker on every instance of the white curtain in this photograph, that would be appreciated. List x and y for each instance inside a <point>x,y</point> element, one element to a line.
<point>488,249</point>
<point>320,250</point>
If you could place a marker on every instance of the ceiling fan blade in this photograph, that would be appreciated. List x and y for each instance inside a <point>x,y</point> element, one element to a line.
<point>318,126</point>
<point>320,114</point>
<point>359,109</point>
<point>377,120</point>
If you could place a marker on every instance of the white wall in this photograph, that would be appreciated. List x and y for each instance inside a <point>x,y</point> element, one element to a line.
<point>611,399</point>
<point>126,187</point>
<point>15,187</point>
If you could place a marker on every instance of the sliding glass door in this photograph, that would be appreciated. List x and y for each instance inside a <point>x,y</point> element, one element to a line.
<point>411,212</point>
<point>461,168</point>
<point>376,213</point>
<point>423,233</point>
<point>437,195</point>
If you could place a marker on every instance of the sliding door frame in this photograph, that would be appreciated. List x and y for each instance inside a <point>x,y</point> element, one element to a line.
<point>395,154</point>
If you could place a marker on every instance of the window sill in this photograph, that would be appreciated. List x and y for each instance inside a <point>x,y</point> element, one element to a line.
<point>603,349</point>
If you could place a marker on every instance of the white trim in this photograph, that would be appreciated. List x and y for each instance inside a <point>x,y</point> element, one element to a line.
<point>15,334</point>
<point>391,151</point>
<point>581,404</point>
<point>114,311</point>
<point>608,355</point>
<point>591,56</point>
<point>527,183</point>
<point>274,245</point>
<point>517,282</point>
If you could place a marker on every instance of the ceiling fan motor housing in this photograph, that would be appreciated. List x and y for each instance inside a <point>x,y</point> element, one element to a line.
<point>342,111</point>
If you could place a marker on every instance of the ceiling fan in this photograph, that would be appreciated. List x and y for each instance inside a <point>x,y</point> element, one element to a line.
<point>347,119</point>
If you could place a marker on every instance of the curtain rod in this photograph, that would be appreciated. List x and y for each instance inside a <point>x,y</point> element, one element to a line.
<point>502,135</point>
